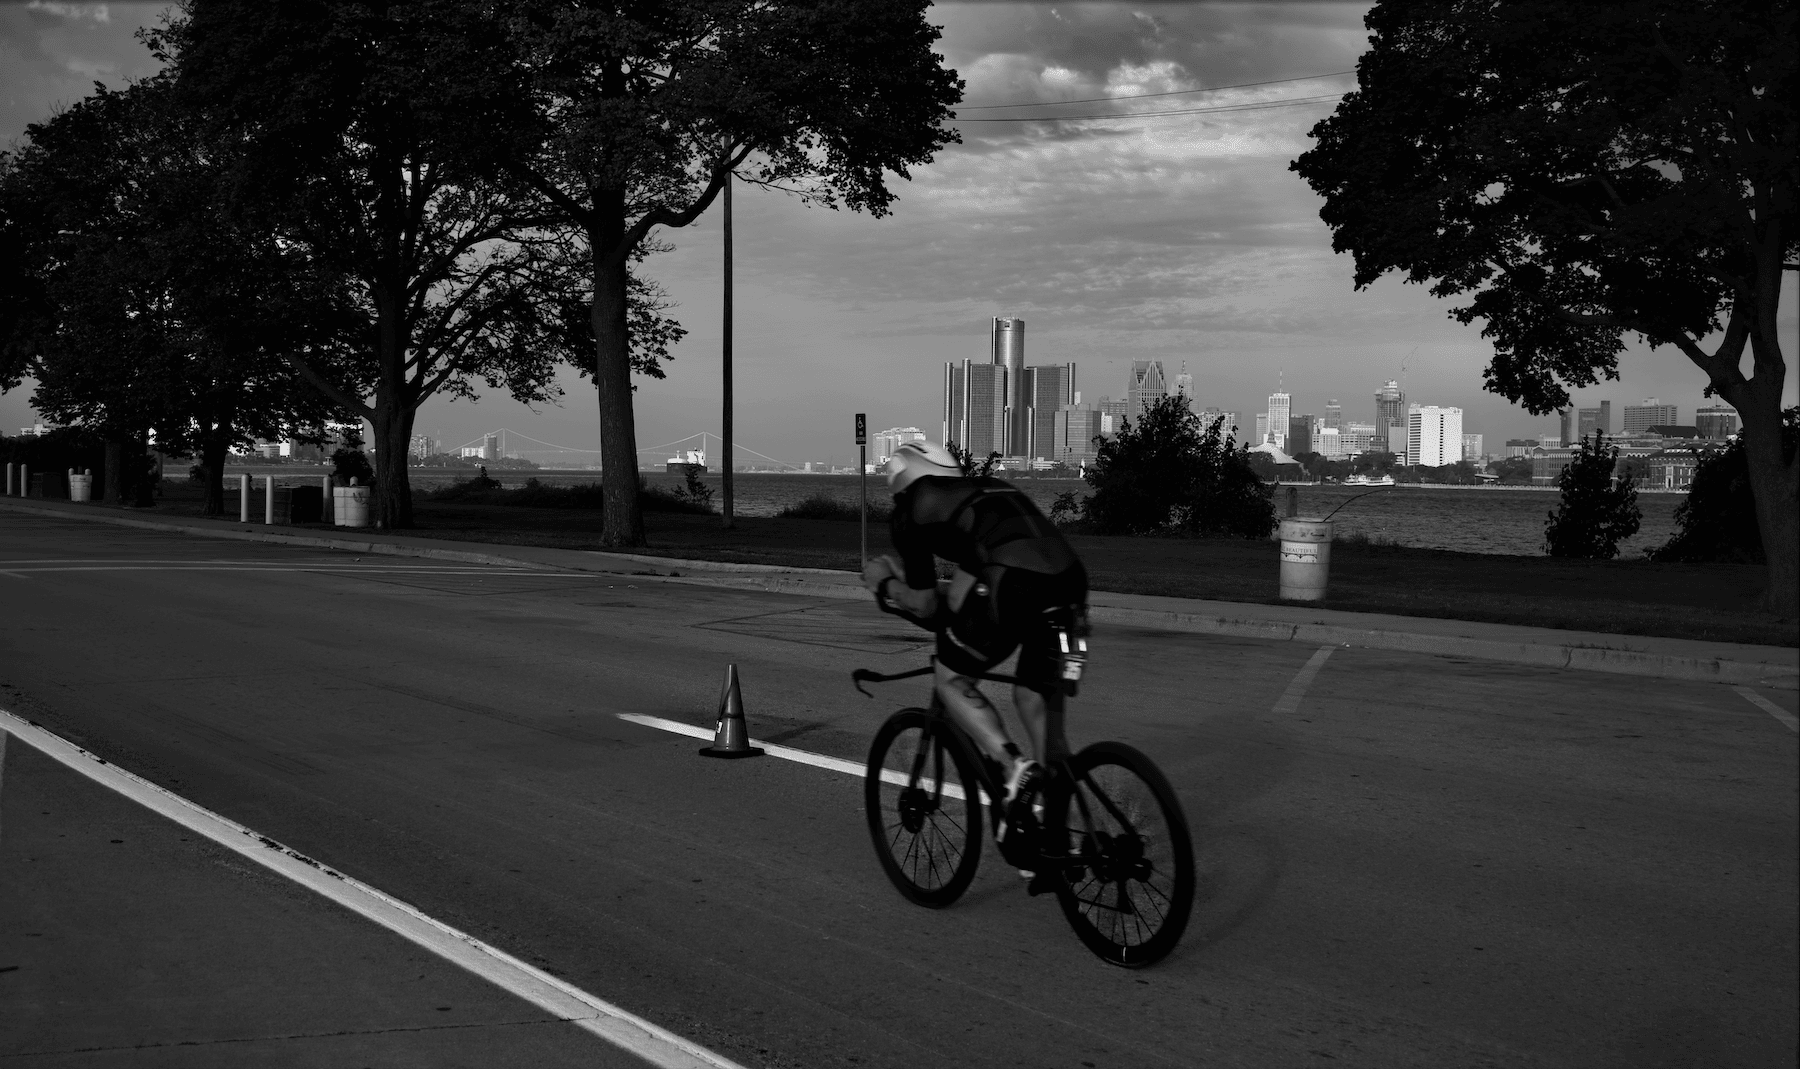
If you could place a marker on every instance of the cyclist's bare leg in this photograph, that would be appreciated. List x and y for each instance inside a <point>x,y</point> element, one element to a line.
<point>1043,719</point>
<point>972,712</point>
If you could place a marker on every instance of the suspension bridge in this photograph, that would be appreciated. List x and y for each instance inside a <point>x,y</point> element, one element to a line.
<point>551,454</point>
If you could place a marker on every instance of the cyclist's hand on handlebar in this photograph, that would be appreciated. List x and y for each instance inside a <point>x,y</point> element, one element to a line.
<point>875,569</point>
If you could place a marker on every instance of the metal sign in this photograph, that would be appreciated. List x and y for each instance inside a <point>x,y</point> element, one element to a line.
<point>862,428</point>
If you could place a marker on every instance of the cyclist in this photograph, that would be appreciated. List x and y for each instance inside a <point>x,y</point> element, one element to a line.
<point>1016,579</point>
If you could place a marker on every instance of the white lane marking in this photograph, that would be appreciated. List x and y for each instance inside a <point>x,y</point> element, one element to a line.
<point>623,1029</point>
<point>16,575</point>
<point>788,753</point>
<point>1289,702</point>
<point>344,569</point>
<point>1767,706</point>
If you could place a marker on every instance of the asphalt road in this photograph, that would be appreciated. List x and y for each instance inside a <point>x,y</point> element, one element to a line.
<point>1419,861</point>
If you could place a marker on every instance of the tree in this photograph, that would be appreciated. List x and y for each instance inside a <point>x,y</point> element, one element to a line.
<point>146,313</point>
<point>1717,520</point>
<point>642,111</point>
<point>1585,172</point>
<point>1170,474</point>
<point>365,133</point>
<point>1598,509</point>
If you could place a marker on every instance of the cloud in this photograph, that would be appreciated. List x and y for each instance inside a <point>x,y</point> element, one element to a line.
<point>93,12</point>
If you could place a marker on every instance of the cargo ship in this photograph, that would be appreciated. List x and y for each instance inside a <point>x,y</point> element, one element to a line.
<point>687,460</point>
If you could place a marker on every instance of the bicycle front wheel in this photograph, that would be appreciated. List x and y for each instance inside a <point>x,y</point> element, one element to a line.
<point>924,808</point>
<point>1118,840</point>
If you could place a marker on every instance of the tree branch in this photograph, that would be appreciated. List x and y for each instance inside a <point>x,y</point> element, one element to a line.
<point>318,382</point>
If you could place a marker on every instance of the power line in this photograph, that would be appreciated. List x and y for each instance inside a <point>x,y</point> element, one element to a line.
<point>1267,105</point>
<point>1141,96</point>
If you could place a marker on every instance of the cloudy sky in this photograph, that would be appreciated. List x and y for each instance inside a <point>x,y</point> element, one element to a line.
<point>1155,235</point>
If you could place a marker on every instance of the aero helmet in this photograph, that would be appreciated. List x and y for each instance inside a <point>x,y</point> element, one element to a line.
<point>914,460</point>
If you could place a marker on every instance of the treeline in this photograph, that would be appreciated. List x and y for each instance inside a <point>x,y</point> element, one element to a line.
<point>324,210</point>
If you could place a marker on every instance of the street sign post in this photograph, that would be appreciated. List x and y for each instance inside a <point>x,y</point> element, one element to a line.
<point>862,465</point>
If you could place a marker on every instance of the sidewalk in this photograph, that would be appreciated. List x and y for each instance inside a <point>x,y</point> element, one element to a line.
<point>1670,658</point>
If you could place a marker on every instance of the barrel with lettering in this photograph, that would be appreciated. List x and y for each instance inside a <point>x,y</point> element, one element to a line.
<point>1305,558</point>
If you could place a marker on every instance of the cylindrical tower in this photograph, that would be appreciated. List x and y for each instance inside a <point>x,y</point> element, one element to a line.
<point>1009,352</point>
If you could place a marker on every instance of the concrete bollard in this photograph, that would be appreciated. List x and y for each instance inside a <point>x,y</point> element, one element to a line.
<point>24,480</point>
<point>268,499</point>
<point>1305,558</point>
<point>9,475</point>
<point>243,499</point>
<point>326,511</point>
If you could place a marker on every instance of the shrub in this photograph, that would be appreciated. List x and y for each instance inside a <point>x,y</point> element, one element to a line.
<point>977,469</point>
<point>534,494</point>
<point>1169,475</point>
<point>1717,522</point>
<point>347,464</point>
<point>1597,511</point>
<point>822,506</point>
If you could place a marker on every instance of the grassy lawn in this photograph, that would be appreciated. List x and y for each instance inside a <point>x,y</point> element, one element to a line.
<point>1638,597</point>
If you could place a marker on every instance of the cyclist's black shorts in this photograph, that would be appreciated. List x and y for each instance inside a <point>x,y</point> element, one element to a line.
<point>1009,609</point>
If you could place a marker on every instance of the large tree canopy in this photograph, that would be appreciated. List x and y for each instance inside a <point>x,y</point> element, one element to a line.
<point>1585,172</point>
<point>643,109</point>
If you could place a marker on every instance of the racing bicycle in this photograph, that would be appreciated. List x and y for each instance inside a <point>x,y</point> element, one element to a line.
<point>1107,834</point>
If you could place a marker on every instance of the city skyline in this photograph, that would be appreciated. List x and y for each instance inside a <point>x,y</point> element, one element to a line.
<point>1169,238</point>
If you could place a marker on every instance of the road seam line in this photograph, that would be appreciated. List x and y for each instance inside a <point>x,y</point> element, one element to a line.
<point>1289,702</point>
<point>618,1026</point>
<point>1787,719</point>
<point>788,753</point>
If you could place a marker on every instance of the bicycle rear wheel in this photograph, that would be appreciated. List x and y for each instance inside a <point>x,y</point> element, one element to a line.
<point>1118,839</point>
<point>924,807</point>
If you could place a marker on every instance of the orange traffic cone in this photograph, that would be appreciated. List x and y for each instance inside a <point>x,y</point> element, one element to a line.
<point>732,737</point>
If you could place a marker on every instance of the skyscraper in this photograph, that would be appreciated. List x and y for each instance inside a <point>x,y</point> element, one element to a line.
<point>1008,339</point>
<point>1184,384</point>
<point>1279,405</point>
<point>1433,436</point>
<point>1300,434</point>
<point>975,407</point>
<point>1567,426</point>
<point>1390,418</point>
<point>1075,428</point>
<point>1048,387</point>
<point>1334,415</point>
<point>1146,386</point>
<point>1652,413</point>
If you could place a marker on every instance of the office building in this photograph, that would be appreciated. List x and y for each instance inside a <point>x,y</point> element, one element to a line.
<point>1716,421</point>
<point>1008,344</point>
<point>1471,448</point>
<point>1673,468</point>
<point>490,447</point>
<point>1334,415</point>
<point>1048,389</point>
<point>975,406</point>
<point>1279,412</point>
<point>1390,418</point>
<point>1433,435</point>
<point>1589,420</point>
<point>1355,439</point>
<point>1520,447</point>
<point>1112,415</point>
<point>1651,413</point>
<point>1076,429</point>
<point>419,446</point>
<point>883,445</point>
<point>1184,385</point>
<point>1328,442</point>
<point>1262,427</point>
<point>1228,428</point>
<point>1146,386</point>
<point>1300,433</point>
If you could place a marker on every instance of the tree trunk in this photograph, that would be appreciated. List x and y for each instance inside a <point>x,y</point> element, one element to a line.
<point>140,491</point>
<point>1774,481</point>
<point>113,492</point>
<point>393,488</point>
<point>212,467</point>
<point>623,524</point>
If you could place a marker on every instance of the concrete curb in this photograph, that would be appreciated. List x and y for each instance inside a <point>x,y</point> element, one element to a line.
<point>1776,674</point>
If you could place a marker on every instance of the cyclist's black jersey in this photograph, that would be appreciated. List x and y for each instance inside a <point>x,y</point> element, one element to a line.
<point>976,524</point>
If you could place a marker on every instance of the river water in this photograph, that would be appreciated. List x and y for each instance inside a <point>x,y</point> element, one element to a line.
<point>1466,519</point>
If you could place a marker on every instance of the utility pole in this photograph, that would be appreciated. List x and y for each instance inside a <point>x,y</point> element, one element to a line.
<point>727,519</point>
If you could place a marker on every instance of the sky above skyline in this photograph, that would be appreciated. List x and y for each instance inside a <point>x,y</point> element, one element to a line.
<point>1177,237</point>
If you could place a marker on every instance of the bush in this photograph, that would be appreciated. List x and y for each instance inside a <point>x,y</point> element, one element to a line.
<point>822,506</point>
<point>1597,511</point>
<point>1169,475</point>
<point>347,464</point>
<point>1717,522</point>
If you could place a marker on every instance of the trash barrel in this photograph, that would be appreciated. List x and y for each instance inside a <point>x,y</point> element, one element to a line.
<point>350,506</point>
<point>1305,558</point>
<point>81,488</point>
<point>305,505</point>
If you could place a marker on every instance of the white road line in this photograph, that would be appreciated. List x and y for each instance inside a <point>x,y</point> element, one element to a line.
<point>1289,702</point>
<point>623,1029</point>
<point>1788,719</point>
<point>340,569</point>
<point>788,753</point>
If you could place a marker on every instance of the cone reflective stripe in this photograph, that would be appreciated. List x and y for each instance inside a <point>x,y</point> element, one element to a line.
<point>732,737</point>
